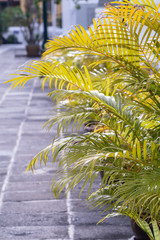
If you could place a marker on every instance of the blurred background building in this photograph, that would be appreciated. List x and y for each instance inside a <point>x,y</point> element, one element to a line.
<point>7,3</point>
<point>62,15</point>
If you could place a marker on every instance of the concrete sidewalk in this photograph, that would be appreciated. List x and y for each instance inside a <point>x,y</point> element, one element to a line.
<point>28,209</point>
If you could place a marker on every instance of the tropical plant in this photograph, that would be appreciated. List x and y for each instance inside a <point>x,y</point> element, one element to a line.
<point>12,15</point>
<point>3,24</point>
<point>120,90</point>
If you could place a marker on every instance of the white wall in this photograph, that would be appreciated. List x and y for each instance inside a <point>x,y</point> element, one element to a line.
<point>68,14</point>
<point>72,16</point>
<point>15,31</point>
<point>85,15</point>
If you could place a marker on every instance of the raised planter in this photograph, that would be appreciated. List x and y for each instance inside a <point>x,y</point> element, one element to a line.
<point>138,232</point>
<point>33,50</point>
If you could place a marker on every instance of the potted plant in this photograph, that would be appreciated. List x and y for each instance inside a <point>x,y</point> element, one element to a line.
<point>30,21</point>
<point>120,90</point>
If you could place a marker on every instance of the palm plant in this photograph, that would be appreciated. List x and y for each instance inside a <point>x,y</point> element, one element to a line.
<point>30,19</point>
<point>123,98</point>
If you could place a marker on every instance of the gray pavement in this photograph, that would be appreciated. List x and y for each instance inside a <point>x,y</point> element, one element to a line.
<point>28,209</point>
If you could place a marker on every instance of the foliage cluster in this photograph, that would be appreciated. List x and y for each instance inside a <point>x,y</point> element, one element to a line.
<point>3,23</point>
<point>12,16</point>
<point>118,89</point>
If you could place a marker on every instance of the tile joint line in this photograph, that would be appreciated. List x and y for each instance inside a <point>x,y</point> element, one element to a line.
<point>71,229</point>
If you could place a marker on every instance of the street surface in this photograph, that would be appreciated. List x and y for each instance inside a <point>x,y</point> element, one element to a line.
<point>28,209</point>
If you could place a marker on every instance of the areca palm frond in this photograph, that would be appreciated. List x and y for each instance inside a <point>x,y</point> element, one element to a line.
<point>111,108</point>
<point>75,116</point>
<point>131,194</point>
<point>117,36</point>
<point>125,134</point>
<point>63,76</point>
<point>85,155</point>
<point>147,3</point>
<point>53,71</point>
<point>103,198</point>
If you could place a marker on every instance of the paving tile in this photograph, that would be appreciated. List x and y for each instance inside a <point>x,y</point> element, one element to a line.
<point>12,116</point>
<point>40,206</point>
<point>79,205</point>
<point>33,219</point>
<point>29,177</point>
<point>39,238</point>
<point>20,168</point>
<point>2,177</point>
<point>93,217</point>
<point>102,232</point>
<point>4,147</point>
<point>3,171</point>
<point>38,232</point>
<point>11,109</point>
<point>28,196</point>
<point>35,186</point>
<point>4,159</point>
<point>3,164</point>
